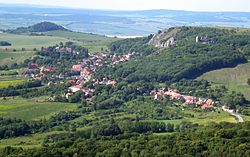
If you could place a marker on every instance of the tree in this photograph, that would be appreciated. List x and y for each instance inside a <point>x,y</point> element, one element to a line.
<point>169,127</point>
<point>234,99</point>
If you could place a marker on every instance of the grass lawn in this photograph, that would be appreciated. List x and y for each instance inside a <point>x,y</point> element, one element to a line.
<point>29,42</point>
<point>235,79</point>
<point>29,141</point>
<point>30,109</point>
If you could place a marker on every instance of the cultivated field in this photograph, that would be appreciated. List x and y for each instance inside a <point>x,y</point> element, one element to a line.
<point>29,141</point>
<point>235,79</point>
<point>29,42</point>
<point>30,109</point>
<point>8,72</point>
<point>11,57</point>
<point>6,81</point>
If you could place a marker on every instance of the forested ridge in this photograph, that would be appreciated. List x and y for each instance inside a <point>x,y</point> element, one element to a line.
<point>186,59</point>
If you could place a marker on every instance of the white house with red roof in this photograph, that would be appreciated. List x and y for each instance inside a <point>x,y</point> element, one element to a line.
<point>33,66</point>
<point>76,67</point>
<point>74,89</point>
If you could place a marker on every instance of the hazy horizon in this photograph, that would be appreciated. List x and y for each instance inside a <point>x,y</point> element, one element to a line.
<point>188,5</point>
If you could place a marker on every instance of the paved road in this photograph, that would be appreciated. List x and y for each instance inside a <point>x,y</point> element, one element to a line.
<point>238,116</point>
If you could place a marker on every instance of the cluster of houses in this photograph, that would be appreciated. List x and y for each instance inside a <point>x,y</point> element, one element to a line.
<point>37,72</point>
<point>123,58</point>
<point>87,70</point>
<point>189,100</point>
<point>77,88</point>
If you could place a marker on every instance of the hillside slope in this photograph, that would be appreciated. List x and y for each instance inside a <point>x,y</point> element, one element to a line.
<point>186,57</point>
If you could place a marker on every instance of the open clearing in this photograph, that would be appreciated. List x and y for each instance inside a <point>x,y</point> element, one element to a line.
<point>30,109</point>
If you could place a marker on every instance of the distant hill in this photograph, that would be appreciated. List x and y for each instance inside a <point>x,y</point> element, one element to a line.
<point>39,27</point>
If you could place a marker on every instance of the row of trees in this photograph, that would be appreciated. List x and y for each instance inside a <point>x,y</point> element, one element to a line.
<point>19,89</point>
<point>17,127</point>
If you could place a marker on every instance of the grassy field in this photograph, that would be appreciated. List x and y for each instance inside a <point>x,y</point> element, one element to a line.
<point>11,57</point>
<point>30,109</point>
<point>6,81</point>
<point>29,141</point>
<point>204,118</point>
<point>29,42</point>
<point>235,79</point>
<point>8,72</point>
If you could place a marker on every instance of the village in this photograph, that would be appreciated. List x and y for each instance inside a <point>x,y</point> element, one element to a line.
<point>205,104</point>
<point>87,69</point>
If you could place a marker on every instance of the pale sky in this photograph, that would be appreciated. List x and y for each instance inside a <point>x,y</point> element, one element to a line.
<point>193,5</point>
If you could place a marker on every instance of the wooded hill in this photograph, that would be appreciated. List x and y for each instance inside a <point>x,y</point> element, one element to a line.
<point>186,58</point>
<point>39,27</point>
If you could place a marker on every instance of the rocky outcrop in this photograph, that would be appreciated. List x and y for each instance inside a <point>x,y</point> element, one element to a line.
<point>164,39</point>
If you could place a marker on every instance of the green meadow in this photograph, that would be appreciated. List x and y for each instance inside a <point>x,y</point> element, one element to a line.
<point>204,118</point>
<point>30,109</point>
<point>29,141</point>
<point>235,79</point>
<point>6,81</point>
<point>11,57</point>
<point>29,42</point>
<point>9,72</point>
